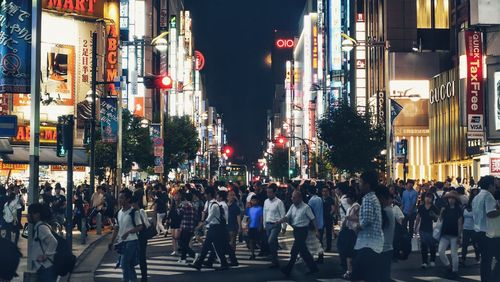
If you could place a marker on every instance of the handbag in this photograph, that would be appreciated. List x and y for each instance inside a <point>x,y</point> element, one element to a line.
<point>493,230</point>
<point>24,234</point>
<point>436,232</point>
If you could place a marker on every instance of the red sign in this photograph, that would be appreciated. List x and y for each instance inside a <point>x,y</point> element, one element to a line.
<point>475,85</point>
<point>360,63</point>
<point>360,17</point>
<point>112,59</point>
<point>92,8</point>
<point>48,134</point>
<point>494,165</point>
<point>200,60</point>
<point>139,106</point>
<point>283,43</point>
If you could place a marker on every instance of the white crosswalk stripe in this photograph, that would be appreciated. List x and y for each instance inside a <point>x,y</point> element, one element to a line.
<point>160,266</point>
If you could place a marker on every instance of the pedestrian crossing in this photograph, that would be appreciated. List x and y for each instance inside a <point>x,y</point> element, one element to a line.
<point>165,265</point>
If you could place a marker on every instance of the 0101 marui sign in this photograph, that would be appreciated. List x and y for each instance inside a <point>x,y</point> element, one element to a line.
<point>15,46</point>
<point>475,85</point>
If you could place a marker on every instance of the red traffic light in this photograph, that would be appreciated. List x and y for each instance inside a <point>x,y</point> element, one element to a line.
<point>158,82</point>
<point>281,140</point>
<point>227,150</point>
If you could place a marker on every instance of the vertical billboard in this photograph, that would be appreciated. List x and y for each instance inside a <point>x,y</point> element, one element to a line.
<point>334,22</point>
<point>15,46</point>
<point>475,87</point>
<point>109,119</point>
<point>496,89</point>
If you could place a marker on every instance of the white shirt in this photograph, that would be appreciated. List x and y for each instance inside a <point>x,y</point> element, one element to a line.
<point>213,213</point>
<point>398,214</point>
<point>274,210</point>
<point>44,243</point>
<point>344,205</point>
<point>10,211</point>
<point>226,210</point>
<point>482,204</point>
<point>300,216</point>
<point>125,224</point>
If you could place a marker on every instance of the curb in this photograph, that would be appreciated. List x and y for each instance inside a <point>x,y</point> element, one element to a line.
<point>83,256</point>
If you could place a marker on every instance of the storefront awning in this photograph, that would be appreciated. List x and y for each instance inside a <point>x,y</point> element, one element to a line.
<point>48,156</point>
<point>5,147</point>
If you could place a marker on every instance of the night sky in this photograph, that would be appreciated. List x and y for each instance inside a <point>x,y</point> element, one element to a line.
<point>235,36</point>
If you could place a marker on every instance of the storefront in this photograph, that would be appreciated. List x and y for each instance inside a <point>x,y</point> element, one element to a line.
<point>448,133</point>
<point>66,60</point>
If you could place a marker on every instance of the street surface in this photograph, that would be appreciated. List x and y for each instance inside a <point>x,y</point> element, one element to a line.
<point>163,267</point>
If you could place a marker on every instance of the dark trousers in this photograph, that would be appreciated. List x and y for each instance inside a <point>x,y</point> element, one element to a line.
<point>469,238</point>
<point>46,274</point>
<point>143,244</point>
<point>299,247</point>
<point>385,266</point>
<point>489,248</point>
<point>226,249</point>
<point>184,244</point>
<point>427,245</point>
<point>214,242</point>
<point>409,222</point>
<point>328,231</point>
<point>272,232</point>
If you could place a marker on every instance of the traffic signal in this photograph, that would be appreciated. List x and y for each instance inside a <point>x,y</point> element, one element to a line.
<point>60,149</point>
<point>227,150</point>
<point>281,141</point>
<point>158,82</point>
<point>404,147</point>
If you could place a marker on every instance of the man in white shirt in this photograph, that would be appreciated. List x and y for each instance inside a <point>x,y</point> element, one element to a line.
<point>274,211</point>
<point>127,235</point>
<point>484,207</point>
<point>300,215</point>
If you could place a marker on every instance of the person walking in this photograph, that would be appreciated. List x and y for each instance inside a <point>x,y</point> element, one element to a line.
<point>44,244</point>
<point>388,226</point>
<point>187,213</point>
<point>160,204</point>
<point>468,233</point>
<point>409,204</point>
<point>254,213</point>
<point>427,214</point>
<point>451,232</point>
<point>234,218</point>
<point>174,221</point>
<point>299,216</point>
<point>328,214</point>
<point>10,215</point>
<point>216,224</point>
<point>370,239</point>
<point>143,241</point>
<point>274,211</point>
<point>347,234</point>
<point>484,209</point>
<point>125,235</point>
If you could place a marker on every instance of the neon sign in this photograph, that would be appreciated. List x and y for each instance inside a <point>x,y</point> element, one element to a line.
<point>283,43</point>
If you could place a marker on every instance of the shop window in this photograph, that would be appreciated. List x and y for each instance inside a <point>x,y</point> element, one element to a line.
<point>433,14</point>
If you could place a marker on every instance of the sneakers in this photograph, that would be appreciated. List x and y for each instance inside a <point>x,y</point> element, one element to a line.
<point>432,264</point>
<point>174,253</point>
<point>183,261</point>
<point>347,275</point>
<point>424,265</point>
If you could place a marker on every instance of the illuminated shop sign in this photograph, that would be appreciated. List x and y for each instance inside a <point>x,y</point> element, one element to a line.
<point>112,58</point>
<point>283,43</point>
<point>335,35</point>
<point>48,134</point>
<point>442,92</point>
<point>92,8</point>
<point>475,87</point>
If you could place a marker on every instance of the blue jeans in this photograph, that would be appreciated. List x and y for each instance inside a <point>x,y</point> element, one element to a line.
<point>272,232</point>
<point>128,260</point>
<point>46,274</point>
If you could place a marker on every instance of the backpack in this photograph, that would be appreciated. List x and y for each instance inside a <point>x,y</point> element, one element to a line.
<point>440,202</point>
<point>147,232</point>
<point>222,218</point>
<point>64,259</point>
<point>402,242</point>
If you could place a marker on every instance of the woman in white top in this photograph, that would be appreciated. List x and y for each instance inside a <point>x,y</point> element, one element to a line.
<point>347,235</point>
<point>10,215</point>
<point>468,233</point>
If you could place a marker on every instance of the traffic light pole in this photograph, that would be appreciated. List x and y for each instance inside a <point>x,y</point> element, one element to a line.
<point>94,114</point>
<point>68,141</point>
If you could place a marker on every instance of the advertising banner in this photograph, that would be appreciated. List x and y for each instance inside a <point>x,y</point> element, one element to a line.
<point>495,165</point>
<point>475,87</point>
<point>109,119</point>
<point>154,131</point>
<point>15,46</point>
<point>335,24</point>
<point>496,79</point>
<point>139,106</point>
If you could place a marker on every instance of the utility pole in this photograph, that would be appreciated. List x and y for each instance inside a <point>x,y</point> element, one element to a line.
<point>68,141</point>
<point>34,157</point>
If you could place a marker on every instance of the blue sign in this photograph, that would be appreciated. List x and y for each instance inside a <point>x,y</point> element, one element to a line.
<point>8,126</point>
<point>15,46</point>
<point>109,120</point>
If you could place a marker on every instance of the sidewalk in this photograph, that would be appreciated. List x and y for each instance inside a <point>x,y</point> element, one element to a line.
<point>79,250</point>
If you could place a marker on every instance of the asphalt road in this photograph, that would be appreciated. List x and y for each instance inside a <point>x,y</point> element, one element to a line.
<point>163,267</point>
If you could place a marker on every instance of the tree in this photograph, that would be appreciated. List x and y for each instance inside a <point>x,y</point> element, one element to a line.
<point>354,143</point>
<point>181,142</point>
<point>278,163</point>
<point>137,147</point>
